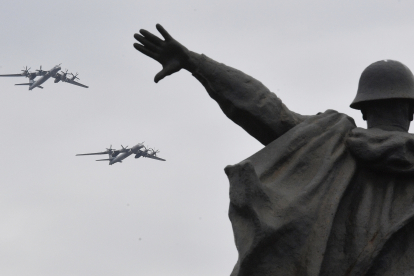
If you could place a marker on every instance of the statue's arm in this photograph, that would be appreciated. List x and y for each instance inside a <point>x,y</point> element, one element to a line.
<point>246,101</point>
<point>242,98</point>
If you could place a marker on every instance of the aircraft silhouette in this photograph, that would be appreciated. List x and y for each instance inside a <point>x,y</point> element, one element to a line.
<point>44,76</point>
<point>119,155</point>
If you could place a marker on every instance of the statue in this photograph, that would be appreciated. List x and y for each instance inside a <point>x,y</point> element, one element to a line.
<point>323,197</point>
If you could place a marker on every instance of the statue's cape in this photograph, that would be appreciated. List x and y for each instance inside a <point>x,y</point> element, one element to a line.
<point>325,198</point>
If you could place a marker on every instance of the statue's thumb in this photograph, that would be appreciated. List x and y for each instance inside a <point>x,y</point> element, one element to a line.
<point>159,76</point>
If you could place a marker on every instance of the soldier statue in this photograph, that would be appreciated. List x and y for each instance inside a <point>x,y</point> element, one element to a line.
<point>323,197</point>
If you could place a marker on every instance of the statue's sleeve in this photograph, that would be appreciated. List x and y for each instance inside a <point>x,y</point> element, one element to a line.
<point>246,101</point>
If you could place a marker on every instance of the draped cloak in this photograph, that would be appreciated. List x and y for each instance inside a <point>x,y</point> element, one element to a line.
<point>322,197</point>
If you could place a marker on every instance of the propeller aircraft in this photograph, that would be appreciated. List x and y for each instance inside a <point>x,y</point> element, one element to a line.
<point>44,76</point>
<point>115,156</point>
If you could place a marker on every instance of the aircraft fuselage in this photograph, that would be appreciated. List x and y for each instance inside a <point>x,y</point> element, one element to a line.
<point>125,154</point>
<point>44,78</point>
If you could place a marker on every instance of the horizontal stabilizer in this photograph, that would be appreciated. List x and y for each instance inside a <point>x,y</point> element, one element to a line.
<point>104,160</point>
<point>23,84</point>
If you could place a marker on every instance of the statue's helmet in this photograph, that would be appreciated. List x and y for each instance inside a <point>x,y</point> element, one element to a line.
<point>384,79</point>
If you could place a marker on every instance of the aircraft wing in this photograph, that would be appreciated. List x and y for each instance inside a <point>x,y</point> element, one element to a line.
<point>13,75</point>
<point>155,157</point>
<point>95,153</point>
<point>75,83</point>
<point>42,73</point>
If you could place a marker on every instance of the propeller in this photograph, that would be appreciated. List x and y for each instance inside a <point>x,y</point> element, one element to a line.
<point>40,71</point>
<point>110,150</point>
<point>144,150</point>
<point>25,70</point>
<point>154,152</point>
<point>27,74</point>
<point>74,76</point>
<point>125,149</point>
<point>63,78</point>
<point>141,152</point>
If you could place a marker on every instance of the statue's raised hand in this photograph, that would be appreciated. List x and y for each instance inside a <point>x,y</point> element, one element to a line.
<point>170,53</point>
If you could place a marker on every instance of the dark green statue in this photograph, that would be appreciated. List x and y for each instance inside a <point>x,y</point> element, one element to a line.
<point>323,197</point>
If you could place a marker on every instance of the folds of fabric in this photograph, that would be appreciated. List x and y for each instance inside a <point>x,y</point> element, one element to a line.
<point>390,151</point>
<point>284,198</point>
<point>303,206</point>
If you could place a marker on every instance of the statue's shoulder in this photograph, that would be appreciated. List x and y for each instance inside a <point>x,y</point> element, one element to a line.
<point>335,115</point>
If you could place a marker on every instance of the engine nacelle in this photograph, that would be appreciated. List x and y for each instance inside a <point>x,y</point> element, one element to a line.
<point>32,76</point>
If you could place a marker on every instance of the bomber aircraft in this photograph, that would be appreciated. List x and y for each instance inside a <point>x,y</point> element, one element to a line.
<point>118,155</point>
<point>44,76</point>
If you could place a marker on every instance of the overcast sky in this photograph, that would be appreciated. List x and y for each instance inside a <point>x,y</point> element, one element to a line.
<point>65,215</point>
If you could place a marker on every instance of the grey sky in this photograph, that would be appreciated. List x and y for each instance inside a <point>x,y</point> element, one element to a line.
<point>65,215</point>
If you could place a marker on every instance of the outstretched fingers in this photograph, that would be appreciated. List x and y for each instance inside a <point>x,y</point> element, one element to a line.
<point>148,44</point>
<point>163,32</point>
<point>153,38</point>
<point>146,51</point>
